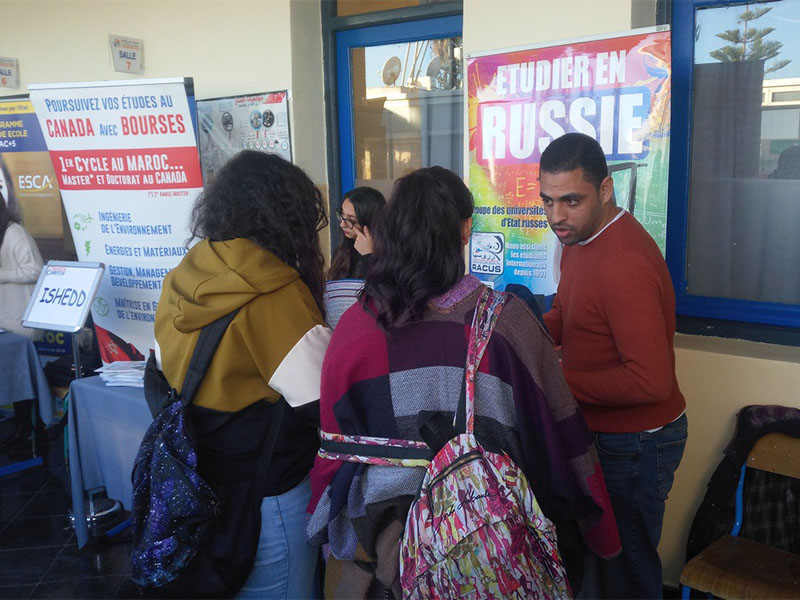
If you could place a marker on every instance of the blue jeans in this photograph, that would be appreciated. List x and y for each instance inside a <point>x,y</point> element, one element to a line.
<point>639,469</point>
<point>285,564</point>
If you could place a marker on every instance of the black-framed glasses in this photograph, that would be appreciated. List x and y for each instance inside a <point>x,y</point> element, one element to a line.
<point>347,222</point>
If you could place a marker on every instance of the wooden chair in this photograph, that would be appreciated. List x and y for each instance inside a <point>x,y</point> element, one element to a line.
<point>734,567</point>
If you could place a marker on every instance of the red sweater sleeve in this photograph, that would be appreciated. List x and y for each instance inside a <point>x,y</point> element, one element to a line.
<point>552,319</point>
<point>632,299</point>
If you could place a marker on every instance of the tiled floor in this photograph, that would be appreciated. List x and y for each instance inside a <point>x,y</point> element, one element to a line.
<point>39,557</point>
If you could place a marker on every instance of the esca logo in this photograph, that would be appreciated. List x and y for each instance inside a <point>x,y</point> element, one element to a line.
<point>34,183</point>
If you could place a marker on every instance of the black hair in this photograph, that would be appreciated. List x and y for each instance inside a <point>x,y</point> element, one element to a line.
<point>418,249</point>
<point>575,151</point>
<point>367,202</point>
<point>272,202</point>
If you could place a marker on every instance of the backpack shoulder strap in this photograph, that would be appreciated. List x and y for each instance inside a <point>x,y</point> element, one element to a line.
<point>204,350</point>
<point>487,311</point>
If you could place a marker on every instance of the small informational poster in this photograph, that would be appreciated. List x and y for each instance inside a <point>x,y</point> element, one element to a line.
<point>63,296</point>
<point>232,124</point>
<point>9,72</point>
<point>127,54</point>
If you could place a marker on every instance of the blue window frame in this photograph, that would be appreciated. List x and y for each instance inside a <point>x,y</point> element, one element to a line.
<point>727,309</point>
<point>408,31</point>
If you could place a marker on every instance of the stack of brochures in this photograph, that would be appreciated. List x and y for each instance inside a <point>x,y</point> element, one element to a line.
<point>123,373</point>
<point>340,295</point>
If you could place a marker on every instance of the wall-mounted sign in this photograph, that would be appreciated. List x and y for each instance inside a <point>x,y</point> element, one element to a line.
<point>9,72</point>
<point>127,54</point>
<point>63,296</point>
<point>230,125</point>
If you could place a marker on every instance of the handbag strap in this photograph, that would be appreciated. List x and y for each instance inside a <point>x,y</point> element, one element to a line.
<point>204,350</point>
<point>264,461</point>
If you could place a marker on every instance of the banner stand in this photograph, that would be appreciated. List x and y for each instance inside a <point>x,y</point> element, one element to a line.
<point>126,159</point>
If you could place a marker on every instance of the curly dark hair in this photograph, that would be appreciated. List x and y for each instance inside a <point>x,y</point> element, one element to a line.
<point>367,202</point>
<point>272,202</point>
<point>418,252</point>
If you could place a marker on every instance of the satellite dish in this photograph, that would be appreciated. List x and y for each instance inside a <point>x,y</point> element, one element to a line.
<point>434,67</point>
<point>391,70</point>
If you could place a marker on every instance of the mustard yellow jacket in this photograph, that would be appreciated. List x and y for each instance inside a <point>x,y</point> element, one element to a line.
<point>276,311</point>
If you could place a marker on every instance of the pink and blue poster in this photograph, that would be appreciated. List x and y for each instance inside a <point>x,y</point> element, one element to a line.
<point>615,89</point>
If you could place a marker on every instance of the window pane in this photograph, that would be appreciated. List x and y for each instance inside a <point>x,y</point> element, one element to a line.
<point>744,194</point>
<point>408,109</point>
<point>786,97</point>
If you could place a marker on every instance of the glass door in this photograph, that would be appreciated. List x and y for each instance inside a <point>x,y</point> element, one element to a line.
<point>401,101</point>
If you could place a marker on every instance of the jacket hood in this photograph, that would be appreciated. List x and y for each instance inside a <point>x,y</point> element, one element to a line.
<point>216,278</point>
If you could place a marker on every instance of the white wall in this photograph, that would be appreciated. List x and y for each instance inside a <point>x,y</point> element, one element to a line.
<point>308,116</point>
<point>308,109</point>
<point>227,47</point>
<point>495,24</point>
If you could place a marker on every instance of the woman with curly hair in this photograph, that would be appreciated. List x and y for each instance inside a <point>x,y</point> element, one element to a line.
<point>395,364</point>
<point>359,209</point>
<point>259,254</point>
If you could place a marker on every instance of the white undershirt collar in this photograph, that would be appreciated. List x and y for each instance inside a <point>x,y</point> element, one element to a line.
<point>616,218</point>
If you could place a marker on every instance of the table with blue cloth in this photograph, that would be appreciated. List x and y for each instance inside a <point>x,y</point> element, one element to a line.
<point>106,426</point>
<point>22,376</point>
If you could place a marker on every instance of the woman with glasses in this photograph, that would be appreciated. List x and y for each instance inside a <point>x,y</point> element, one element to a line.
<point>396,363</point>
<point>259,253</point>
<point>359,209</point>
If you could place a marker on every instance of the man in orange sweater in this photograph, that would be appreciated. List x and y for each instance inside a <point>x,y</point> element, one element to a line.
<point>614,318</point>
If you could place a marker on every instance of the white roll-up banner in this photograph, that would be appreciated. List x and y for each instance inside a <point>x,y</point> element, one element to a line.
<point>125,153</point>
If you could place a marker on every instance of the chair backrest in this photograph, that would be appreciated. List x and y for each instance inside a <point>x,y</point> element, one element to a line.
<point>776,453</point>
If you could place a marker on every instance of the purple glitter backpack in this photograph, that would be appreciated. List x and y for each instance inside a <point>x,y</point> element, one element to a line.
<point>189,539</point>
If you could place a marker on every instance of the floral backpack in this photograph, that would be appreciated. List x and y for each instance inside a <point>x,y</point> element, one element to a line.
<point>476,529</point>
